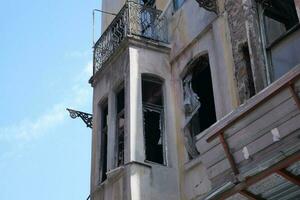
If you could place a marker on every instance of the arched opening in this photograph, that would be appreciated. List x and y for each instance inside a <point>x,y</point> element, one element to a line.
<point>198,101</point>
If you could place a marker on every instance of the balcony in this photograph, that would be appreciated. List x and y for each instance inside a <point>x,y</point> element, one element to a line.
<point>134,20</point>
<point>254,151</point>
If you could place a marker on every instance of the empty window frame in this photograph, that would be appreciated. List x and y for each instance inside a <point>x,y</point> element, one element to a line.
<point>153,117</point>
<point>104,131</point>
<point>280,25</point>
<point>198,96</point>
<point>120,123</point>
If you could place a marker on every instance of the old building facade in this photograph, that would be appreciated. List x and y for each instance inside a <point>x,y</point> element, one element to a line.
<point>197,99</point>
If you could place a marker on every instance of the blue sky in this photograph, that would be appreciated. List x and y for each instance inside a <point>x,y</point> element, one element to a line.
<point>45,64</point>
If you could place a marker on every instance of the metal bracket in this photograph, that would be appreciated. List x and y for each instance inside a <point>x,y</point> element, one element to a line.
<point>86,117</point>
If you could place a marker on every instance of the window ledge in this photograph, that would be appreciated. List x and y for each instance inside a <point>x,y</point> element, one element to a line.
<point>138,163</point>
<point>115,172</point>
<point>154,164</point>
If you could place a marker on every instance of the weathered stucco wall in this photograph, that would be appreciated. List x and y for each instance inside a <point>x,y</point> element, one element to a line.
<point>209,36</point>
<point>186,24</point>
<point>194,32</point>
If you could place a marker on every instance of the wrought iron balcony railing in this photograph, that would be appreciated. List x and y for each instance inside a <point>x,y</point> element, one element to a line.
<point>133,20</point>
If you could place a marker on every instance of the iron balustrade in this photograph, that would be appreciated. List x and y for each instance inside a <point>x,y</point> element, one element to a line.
<point>134,20</point>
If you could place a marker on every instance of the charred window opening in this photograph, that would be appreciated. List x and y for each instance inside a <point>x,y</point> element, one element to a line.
<point>247,60</point>
<point>202,86</point>
<point>152,97</point>
<point>198,102</point>
<point>104,129</point>
<point>120,127</point>
<point>279,17</point>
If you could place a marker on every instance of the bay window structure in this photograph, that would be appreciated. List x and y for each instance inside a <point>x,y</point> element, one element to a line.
<point>153,117</point>
<point>137,144</point>
<point>103,139</point>
<point>280,30</point>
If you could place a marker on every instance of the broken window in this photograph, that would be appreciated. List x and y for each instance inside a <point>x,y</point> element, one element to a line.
<point>198,102</point>
<point>152,97</point>
<point>281,33</point>
<point>120,127</point>
<point>104,129</point>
